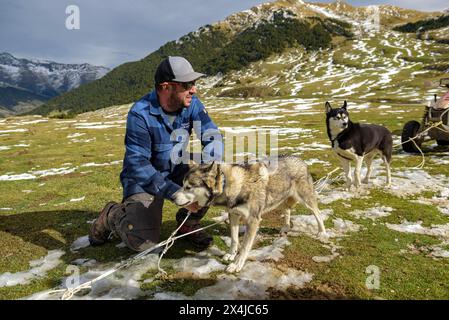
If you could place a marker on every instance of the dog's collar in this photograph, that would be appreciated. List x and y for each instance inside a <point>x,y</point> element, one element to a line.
<point>333,140</point>
<point>339,134</point>
<point>223,182</point>
<point>213,196</point>
<point>336,138</point>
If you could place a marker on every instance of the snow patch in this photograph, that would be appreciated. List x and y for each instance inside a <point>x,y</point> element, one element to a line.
<point>93,164</point>
<point>271,252</point>
<point>416,227</point>
<point>13,130</point>
<point>122,285</point>
<point>14,177</point>
<point>372,213</point>
<point>78,199</point>
<point>253,282</point>
<point>39,269</point>
<point>75,135</point>
<point>198,267</point>
<point>79,243</point>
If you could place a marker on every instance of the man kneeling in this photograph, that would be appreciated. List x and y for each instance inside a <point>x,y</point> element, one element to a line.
<point>149,174</point>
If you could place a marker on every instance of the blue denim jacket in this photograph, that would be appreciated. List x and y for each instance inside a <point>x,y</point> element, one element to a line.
<point>151,140</point>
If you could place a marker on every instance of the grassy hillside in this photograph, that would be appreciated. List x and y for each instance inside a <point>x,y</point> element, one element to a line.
<point>76,164</point>
<point>10,98</point>
<point>56,174</point>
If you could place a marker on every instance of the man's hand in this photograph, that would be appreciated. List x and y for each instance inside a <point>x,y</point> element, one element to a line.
<point>193,207</point>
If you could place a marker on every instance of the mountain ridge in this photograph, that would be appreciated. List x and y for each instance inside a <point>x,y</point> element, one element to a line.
<point>129,81</point>
<point>42,79</point>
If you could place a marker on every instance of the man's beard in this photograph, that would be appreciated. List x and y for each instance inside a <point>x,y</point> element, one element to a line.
<point>175,102</point>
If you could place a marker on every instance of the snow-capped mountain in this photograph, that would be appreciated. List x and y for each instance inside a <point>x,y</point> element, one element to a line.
<point>27,83</point>
<point>44,78</point>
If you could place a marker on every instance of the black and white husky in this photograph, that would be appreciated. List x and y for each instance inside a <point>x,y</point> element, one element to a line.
<point>358,142</point>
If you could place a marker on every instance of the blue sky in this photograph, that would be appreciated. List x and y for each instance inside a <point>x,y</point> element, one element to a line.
<point>115,31</point>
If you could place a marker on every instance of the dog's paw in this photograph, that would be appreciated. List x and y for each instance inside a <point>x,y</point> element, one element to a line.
<point>229,257</point>
<point>232,268</point>
<point>323,235</point>
<point>235,266</point>
<point>285,230</point>
<point>358,189</point>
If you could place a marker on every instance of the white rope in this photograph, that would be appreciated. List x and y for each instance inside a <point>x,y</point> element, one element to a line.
<point>321,183</point>
<point>423,161</point>
<point>168,243</point>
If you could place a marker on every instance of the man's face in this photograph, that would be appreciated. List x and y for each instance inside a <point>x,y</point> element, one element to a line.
<point>181,94</point>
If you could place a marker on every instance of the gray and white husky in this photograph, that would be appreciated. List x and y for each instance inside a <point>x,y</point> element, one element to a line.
<point>249,191</point>
<point>357,142</point>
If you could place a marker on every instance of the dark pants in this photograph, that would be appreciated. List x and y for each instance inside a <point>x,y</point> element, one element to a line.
<point>138,219</point>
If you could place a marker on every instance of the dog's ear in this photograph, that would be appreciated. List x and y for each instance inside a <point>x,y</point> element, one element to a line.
<point>215,167</point>
<point>345,105</point>
<point>211,167</point>
<point>328,107</point>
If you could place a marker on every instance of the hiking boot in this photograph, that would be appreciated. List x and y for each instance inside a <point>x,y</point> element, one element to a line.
<point>99,231</point>
<point>200,238</point>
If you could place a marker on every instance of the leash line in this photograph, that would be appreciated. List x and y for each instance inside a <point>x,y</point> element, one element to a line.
<point>321,183</point>
<point>168,243</point>
<point>423,161</point>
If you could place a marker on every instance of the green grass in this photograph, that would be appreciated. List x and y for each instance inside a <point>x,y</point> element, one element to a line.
<point>43,218</point>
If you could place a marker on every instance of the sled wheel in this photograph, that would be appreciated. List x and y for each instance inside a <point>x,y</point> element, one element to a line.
<point>410,130</point>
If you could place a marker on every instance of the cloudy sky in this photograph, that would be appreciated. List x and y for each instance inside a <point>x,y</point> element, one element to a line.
<point>115,31</point>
